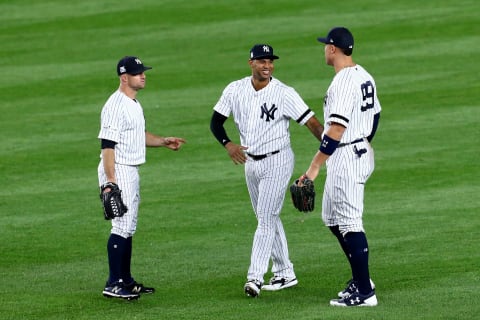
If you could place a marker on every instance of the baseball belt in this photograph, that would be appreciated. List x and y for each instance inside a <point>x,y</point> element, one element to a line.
<point>262,156</point>
<point>349,143</point>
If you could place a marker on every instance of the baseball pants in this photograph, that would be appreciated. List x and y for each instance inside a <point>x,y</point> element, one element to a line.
<point>267,181</point>
<point>128,180</point>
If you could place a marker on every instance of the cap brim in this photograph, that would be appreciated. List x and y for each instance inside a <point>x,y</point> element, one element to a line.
<point>145,68</point>
<point>273,57</point>
<point>322,40</point>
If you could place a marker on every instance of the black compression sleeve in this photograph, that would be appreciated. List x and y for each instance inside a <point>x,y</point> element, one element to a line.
<point>376,119</point>
<point>216,126</point>
<point>108,144</point>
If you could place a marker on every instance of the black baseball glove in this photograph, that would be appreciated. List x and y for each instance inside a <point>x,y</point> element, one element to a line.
<point>303,197</point>
<point>113,205</point>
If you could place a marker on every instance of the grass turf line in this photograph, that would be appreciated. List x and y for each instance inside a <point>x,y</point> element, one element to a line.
<point>196,223</point>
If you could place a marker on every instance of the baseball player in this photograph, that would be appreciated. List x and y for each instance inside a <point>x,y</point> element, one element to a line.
<point>351,115</point>
<point>123,140</point>
<point>262,107</point>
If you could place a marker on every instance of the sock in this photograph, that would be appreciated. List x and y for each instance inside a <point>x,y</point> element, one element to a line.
<point>116,249</point>
<point>358,248</point>
<point>336,232</point>
<point>126,261</point>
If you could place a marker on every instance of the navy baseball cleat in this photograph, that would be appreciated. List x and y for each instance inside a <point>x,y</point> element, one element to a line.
<point>356,300</point>
<point>352,288</point>
<point>252,288</point>
<point>279,283</point>
<point>118,290</point>
<point>136,287</point>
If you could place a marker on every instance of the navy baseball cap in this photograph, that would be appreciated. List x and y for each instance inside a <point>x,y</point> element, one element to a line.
<point>262,51</point>
<point>131,65</point>
<point>340,37</point>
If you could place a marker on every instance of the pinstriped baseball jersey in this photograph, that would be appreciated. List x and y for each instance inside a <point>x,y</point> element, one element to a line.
<point>123,122</point>
<point>264,129</point>
<point>352,101</point>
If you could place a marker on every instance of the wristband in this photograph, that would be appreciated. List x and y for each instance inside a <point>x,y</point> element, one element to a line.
<point>328,145</point>
<point>225,141</point>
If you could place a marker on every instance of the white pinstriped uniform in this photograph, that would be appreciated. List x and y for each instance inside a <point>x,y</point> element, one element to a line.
<point>351,101</point>
<point>262,119</point>
<point>123,122</point>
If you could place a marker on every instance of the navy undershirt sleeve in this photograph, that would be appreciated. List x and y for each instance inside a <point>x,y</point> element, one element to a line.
<point>108,144</point>
<point>376,120</point>
<point>216,126</point>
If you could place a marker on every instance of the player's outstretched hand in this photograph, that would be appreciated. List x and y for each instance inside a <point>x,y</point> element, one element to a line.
<point>236,152</point>
<point>174,143</point>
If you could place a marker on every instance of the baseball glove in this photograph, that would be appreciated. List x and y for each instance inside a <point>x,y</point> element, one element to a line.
<point>113,205</point>
<point>303,197</point>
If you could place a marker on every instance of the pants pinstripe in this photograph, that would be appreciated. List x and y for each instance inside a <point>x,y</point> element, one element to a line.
<point>267,181</point>
<point>347,173</point>
<point>128,180</point>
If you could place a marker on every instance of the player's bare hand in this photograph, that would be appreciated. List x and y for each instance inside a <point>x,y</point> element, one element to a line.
<point>173,143</point>
<point>236,153</point>
<point>301,179</point>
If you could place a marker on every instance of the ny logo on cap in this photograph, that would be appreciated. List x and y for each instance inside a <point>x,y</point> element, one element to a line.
<point>266,49</point>
<point>138,61</point>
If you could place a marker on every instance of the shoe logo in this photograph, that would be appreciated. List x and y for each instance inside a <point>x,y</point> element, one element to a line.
<point>355,301</point>
<point>116,289</point>
<point>136,289</point>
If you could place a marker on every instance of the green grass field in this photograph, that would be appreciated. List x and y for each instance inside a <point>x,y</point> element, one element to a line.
<point>196,225</point>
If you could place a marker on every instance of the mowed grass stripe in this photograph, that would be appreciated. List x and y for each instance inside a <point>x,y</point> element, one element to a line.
<point>196,223</point>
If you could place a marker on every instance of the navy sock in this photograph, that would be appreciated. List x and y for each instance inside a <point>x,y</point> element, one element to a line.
<point>116,249</point>
<point>336,232</point>
<point>358,248</point>
<point>126,261</point>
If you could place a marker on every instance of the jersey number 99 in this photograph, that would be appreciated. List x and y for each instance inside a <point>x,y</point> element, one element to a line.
<point>368,93</point>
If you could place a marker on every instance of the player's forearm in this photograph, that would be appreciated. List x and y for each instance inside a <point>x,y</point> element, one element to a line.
<point>108,159</point>
<point>315,127</point>
<point>152,140</point>
<point>316,164</point>
<point>218,131</point>
<point>327,147</point>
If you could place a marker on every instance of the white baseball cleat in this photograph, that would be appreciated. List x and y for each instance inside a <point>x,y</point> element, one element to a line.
<point>279,283</point>
<point>252,288</point>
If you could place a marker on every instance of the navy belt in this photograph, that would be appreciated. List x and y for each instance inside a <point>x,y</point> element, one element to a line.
<point>262,156</point>
<point>349,143</point>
